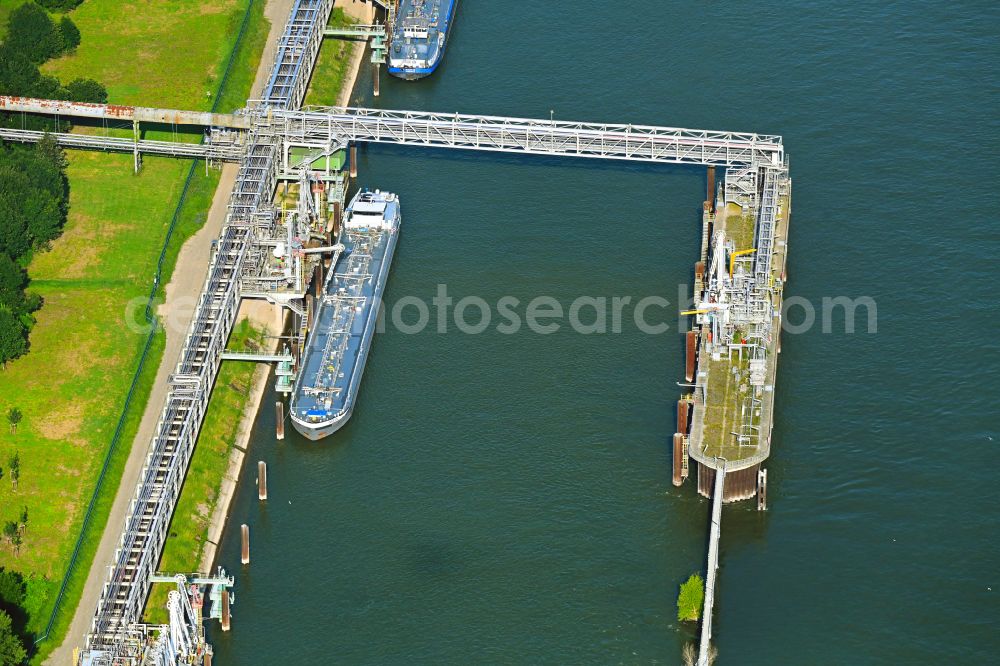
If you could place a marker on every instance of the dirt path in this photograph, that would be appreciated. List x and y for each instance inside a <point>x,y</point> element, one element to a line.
<point>176,313</point>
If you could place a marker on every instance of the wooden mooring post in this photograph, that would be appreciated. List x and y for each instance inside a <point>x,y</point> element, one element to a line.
<point>678,459</point>
<point>691,348</point>
<point>354,160</point>
<point>375,70</point>
<point>710,196</point>
<point>279,415</point>
<point>225,610</point>
<point>336,217</point>
<point>261,480</point>
<point>318,287</point>
<point>245,543</point>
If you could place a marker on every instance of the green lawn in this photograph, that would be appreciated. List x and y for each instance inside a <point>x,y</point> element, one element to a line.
<point>740,227</point>
<point>166,53</point>
<point>72,384</point>
<point>189,526</point>
<point>723,408</point>
<point>332,65</point>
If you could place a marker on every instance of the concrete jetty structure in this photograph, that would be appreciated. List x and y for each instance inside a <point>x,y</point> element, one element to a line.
<point>729,413</point>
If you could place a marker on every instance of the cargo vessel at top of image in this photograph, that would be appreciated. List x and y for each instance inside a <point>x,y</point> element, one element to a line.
<point>345,315</point>
<point>420,36</point>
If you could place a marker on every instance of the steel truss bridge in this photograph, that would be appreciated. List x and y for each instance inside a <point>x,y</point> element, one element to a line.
<point>259,138</point>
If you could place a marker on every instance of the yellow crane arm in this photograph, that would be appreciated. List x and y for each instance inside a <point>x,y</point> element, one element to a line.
<point>732,259</point>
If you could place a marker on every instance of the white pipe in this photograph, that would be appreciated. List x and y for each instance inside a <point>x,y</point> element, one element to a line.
<point>325,248</point>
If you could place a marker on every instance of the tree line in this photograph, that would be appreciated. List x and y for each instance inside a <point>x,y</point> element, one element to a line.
<point>34,201</point>
<point>33,37</point>
<point>34,191</point>
<point>13,618</point>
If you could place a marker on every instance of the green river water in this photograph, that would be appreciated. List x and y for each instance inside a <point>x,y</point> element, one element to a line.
<point>506,498</point>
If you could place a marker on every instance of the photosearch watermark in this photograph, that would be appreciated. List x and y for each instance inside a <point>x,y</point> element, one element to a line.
<point>542,314</point>
<point>545,314</point>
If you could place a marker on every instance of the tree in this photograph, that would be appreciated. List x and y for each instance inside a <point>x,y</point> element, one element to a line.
<point>13,594</point>
<point>45,217</point>
<point>13,342</point>
<point>59,5</point>
<point>18,75</point>
<point>15,460</point>
<point>30,31</point>
<point>13,534</point>
<point>13,590</point>
<point>23,527</point>
<point>87,90</point>
<point>14,417</point>
<point>690,599</point>
<point>14,239</point>
<point>12,652</point>
<point>13,280</point>
<point>70,33</point>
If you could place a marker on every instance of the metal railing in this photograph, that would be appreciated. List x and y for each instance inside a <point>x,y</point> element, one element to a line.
<point>714,535</point>
<point>113,144</point>
<point>648,143</point>
<point>298,47</point>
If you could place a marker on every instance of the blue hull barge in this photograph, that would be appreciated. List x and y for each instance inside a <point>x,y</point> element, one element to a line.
<point>420,36</point>
<point>344,317</point>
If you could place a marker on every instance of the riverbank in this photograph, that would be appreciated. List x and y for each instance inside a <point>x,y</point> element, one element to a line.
<point>364,14</point>
<point>200,518</point>
<point>263,315</point>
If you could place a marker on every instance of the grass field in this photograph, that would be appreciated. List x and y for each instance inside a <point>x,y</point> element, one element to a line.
<point>189,526</point>
<point>72,385</point>
<point>166,53</point>
<point>332,65</point>
<point>723,410</point>
<point>739,227</point>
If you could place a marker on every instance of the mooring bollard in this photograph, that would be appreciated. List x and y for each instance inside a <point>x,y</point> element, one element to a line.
<point>261,480</point>
<point>245,538</point>
<point>762,490</point>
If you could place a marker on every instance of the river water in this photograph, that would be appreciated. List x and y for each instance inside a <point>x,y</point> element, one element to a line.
<point>506,498</point>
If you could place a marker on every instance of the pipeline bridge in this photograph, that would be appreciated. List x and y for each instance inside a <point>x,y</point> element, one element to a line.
<point>260,138</point>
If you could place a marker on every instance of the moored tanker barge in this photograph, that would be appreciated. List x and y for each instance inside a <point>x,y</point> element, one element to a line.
<point>344,318</point>
<point>420,36</point>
